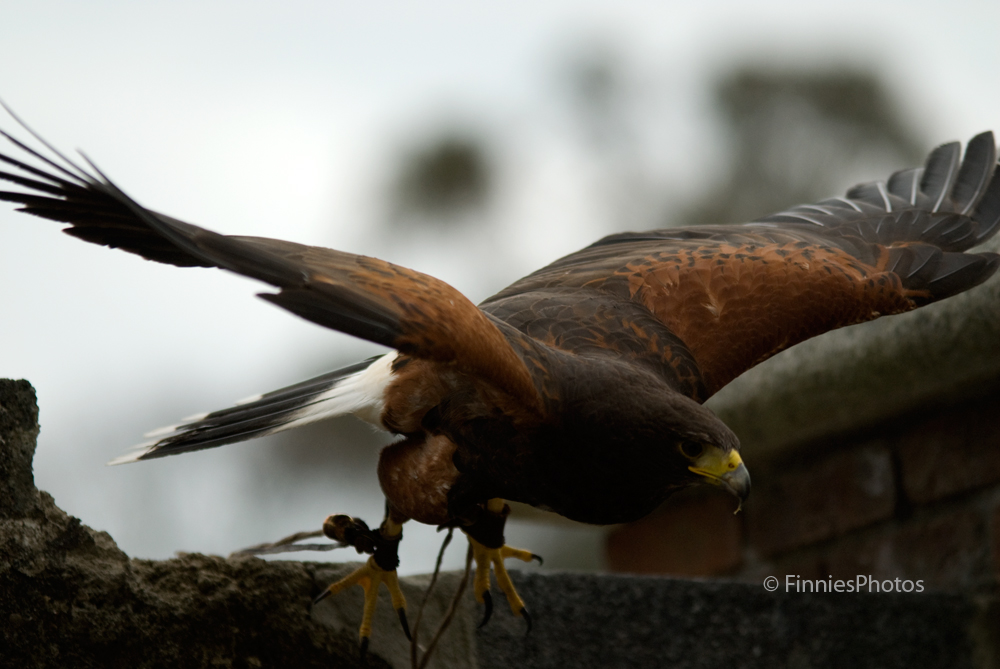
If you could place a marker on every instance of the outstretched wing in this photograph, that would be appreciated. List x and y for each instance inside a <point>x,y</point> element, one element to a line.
<point>733,296</point>
<point>369,298</point>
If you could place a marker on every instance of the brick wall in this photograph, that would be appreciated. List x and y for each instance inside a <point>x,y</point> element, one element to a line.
<point>915,497</point>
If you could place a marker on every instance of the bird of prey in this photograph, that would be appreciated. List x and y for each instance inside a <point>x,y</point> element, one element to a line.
<point>579,388</point>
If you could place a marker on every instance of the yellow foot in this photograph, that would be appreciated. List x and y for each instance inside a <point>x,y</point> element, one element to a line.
<point>485,557</point>
<point>369,576</point>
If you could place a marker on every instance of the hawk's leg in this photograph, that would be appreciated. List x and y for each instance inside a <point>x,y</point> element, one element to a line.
<point>383,545</point>
<point>488,548</point>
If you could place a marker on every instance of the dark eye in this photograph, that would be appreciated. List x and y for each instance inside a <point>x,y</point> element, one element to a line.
<point>692,449</point>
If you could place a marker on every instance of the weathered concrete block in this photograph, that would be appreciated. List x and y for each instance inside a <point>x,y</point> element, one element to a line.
<point>954,451</point>
<point>946,549</point>
<point>839,492</point>
<point>692,535</point>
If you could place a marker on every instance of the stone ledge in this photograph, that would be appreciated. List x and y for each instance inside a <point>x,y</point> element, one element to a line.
<point>604,621</point>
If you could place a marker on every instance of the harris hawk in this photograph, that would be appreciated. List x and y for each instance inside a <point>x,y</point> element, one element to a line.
<point>579,388</point>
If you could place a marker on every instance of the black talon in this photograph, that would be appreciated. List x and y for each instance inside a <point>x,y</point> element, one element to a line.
<point>323,595</point>
<point>364,648</point>
<point>406,625</point>
<point>539,558</point>
<point>527,619</point>
<point>488,602</point>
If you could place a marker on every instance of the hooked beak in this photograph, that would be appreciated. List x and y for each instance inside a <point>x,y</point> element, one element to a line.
<point>726,471</point>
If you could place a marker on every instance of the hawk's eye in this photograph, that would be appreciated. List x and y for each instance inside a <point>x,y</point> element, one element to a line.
<point>691,449</point>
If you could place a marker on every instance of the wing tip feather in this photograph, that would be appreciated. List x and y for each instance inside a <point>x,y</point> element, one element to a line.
<point>134,455</point>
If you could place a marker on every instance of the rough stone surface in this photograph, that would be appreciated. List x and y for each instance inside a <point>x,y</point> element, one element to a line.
<point>653,622</point>
<point>18,433</point>
<point>70,598</point>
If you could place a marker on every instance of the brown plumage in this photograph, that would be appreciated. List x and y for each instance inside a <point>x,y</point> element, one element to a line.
<point>578,388</point>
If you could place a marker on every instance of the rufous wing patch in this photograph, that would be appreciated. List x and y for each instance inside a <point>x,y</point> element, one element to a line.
<point>735,306</point>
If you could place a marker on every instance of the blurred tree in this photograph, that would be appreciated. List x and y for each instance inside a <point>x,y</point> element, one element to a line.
<point>448,176</point>
<point>595,81</point>
<point>801,136</point>
<point>609,101</point>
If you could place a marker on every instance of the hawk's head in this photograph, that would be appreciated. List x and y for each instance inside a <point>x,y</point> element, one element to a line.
<point>628,441</point>
<point>698,446</point>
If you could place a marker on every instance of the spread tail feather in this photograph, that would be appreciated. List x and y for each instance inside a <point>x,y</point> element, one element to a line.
<point>357,389</point>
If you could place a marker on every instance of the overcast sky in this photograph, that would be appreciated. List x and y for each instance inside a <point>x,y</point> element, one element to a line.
<point>282,119</point>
